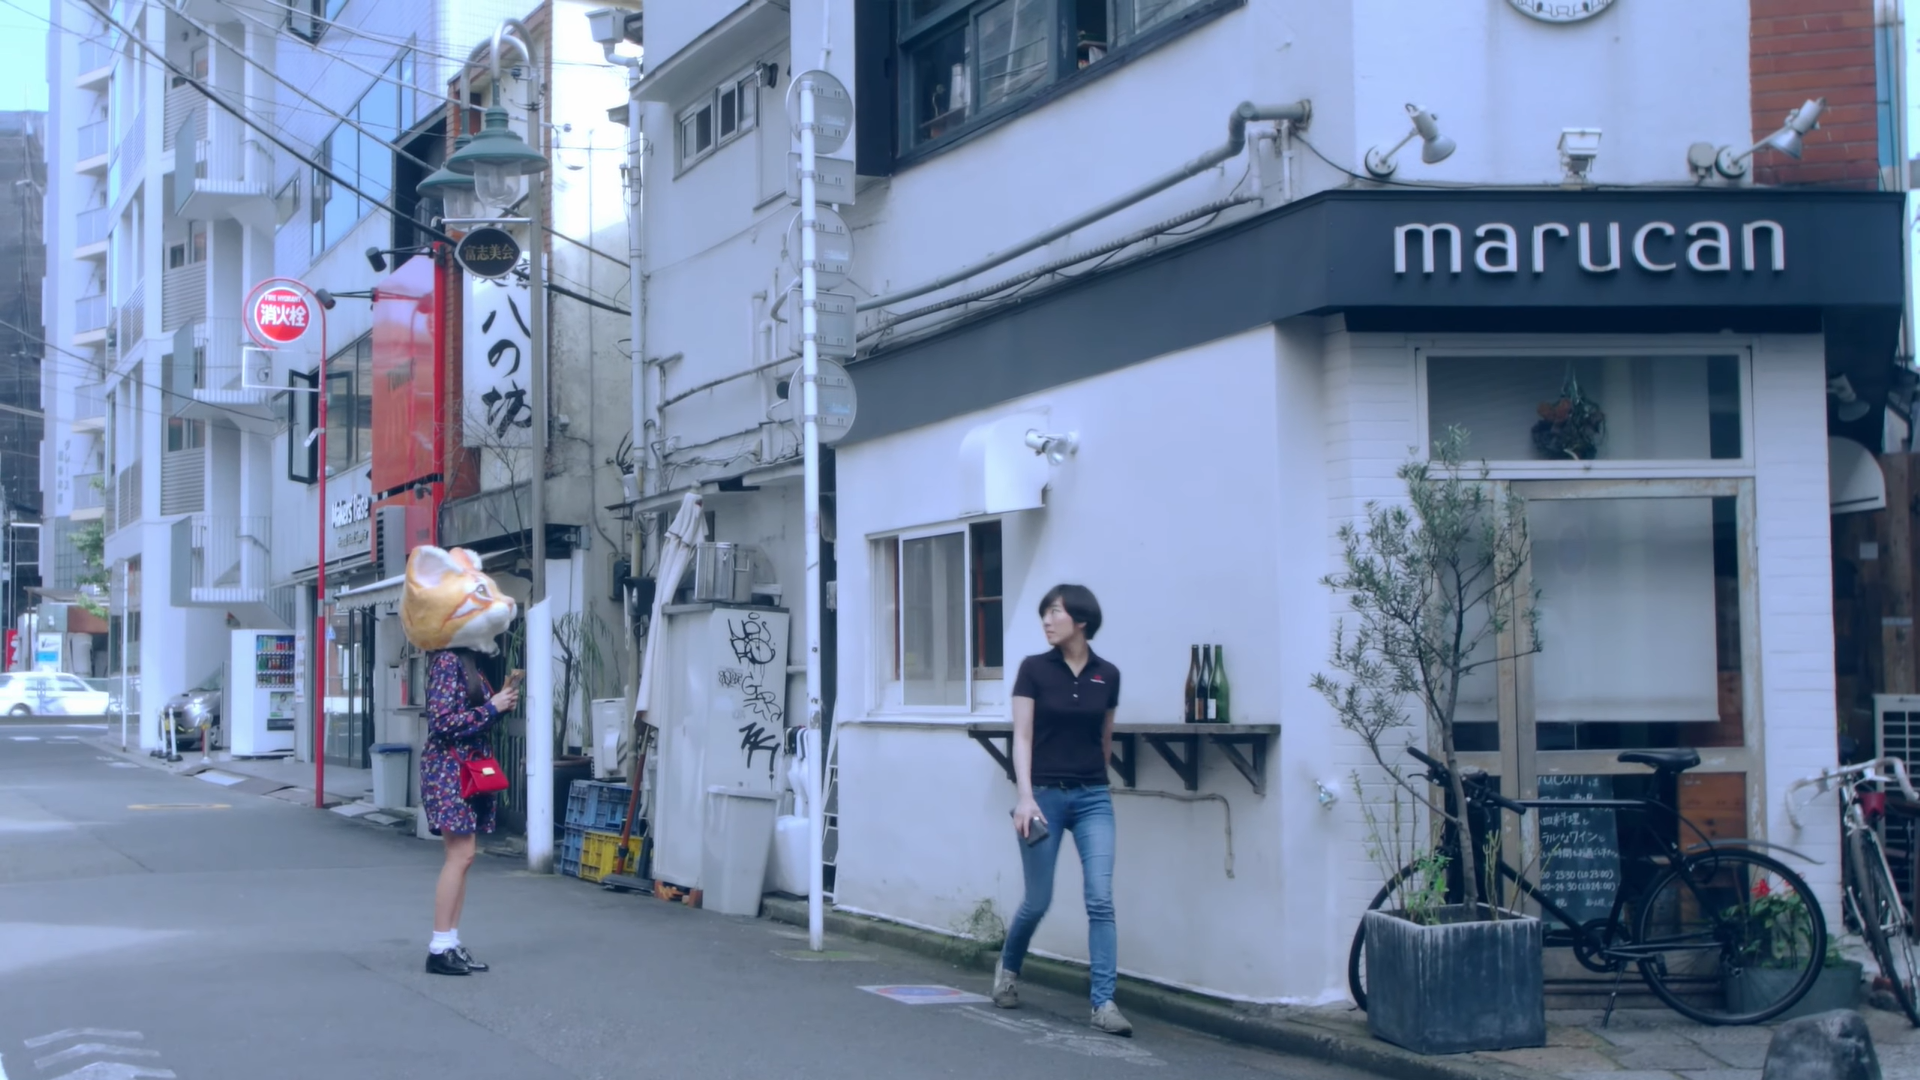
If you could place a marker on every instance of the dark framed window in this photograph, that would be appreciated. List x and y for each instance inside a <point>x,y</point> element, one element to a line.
<point>303,415</point>
<point>362,156</point>
<point>986,594</point>
<point>720,116</point>
<point>185,434</point>
<point>350,406</point>
<point>309,20</point>
<point>963,65</point>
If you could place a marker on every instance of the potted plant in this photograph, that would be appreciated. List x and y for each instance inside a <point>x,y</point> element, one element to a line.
<point>1434,584</point>
<point>1571,426</point>
<point>1777,953</point>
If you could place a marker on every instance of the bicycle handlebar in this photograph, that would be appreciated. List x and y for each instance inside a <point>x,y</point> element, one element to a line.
<point>1482,787</point>
<point>1882,770</point>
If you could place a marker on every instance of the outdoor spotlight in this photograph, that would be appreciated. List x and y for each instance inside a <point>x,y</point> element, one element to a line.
<point>1578,148</point>
<point>1434,147</point>
<point>327,299</point>
<point>1054,447</point>
<point>1848,405</point>
<point>1704,161</point>
<point>377,259</point>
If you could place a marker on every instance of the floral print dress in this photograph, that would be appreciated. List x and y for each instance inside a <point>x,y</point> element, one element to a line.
<point>456,731</point>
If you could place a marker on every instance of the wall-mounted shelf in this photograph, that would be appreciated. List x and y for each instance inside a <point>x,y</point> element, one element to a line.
<point>1244,746</point>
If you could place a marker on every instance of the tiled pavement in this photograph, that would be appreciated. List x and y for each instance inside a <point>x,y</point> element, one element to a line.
<point>1662,1045</point>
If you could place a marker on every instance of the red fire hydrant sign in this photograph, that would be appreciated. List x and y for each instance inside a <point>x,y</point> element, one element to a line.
<point>278,314</point>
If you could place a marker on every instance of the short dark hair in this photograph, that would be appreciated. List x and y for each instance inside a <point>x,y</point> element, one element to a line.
<point>1080,604</point>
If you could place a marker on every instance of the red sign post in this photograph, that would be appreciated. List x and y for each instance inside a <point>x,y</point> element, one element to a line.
<point>278,312</point>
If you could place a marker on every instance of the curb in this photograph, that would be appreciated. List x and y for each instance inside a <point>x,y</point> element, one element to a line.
<point>1261,1026</point>
<point>252,785</point>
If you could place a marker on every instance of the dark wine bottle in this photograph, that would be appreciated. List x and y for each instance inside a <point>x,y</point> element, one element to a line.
<point>1193,683</point>
<point>1203,694</point>
<point>1222,698</point>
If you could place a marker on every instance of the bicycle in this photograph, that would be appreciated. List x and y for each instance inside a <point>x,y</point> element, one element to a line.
<point>1701,922</point>
<point>1868,888</point>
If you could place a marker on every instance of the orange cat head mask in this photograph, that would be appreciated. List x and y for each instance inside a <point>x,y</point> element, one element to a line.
<point>449,604</point>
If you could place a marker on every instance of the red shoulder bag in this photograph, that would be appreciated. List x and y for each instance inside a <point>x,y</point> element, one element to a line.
<point>481,776</point>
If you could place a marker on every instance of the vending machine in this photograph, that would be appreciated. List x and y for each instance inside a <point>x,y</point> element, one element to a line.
<point>258,710</point>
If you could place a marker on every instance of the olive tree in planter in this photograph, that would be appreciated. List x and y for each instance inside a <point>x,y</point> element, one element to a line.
<point>1434,584</point>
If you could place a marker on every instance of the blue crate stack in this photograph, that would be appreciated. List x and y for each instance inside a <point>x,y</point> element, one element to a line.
<point>596,804</point>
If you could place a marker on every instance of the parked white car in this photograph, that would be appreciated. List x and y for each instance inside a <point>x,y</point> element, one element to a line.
<point>48,693</point>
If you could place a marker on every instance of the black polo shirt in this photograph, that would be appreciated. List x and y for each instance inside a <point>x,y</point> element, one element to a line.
<point>1069,712</point>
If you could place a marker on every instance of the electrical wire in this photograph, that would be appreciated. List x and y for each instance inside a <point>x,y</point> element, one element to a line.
<point>92,372</point>
<point>322,110</point>
<point>357,32</point>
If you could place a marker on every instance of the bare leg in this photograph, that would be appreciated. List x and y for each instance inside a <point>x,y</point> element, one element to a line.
<point>460,897</point>
<point>451,891</point>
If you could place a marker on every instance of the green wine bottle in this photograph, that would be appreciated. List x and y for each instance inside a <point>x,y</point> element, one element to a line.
<point>1221,701</point>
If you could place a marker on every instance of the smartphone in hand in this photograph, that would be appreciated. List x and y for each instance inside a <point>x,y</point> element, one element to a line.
<point>1036,830</point>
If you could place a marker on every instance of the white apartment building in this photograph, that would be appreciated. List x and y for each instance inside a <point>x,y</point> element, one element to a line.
<point>169,207</point>
<point>1242,358</point>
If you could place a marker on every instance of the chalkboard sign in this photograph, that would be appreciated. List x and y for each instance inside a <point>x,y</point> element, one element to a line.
<point>1579,849</point>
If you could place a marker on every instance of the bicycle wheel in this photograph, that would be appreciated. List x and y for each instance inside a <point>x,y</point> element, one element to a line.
<point>1883,921</point>
<point>1357,953</point>
<point>1708,928</point>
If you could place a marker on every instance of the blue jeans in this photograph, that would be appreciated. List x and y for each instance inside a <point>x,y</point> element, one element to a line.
<point>1087,812</point>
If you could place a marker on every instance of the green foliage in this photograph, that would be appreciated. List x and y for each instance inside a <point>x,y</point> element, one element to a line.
<point>1434,586</point>
<point>90,540</point>
<point>1778,928</point>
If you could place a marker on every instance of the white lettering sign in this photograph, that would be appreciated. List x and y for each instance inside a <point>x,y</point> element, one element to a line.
<point>1709,247</point>
<point>353,508</point>
<point>497,368</point>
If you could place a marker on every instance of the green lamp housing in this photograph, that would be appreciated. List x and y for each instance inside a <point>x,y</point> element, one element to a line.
<point>498,160</point>
<point>454,191</point>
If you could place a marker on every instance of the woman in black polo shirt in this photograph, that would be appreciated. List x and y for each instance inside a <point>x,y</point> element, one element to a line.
<point>1063,702</point>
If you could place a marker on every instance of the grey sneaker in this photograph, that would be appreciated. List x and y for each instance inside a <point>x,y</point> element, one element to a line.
<point>1005,994</point>
<point>1107,1018</point>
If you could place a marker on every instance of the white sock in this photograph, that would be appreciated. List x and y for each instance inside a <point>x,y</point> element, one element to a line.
<point>454,936</point>
<point>442,941</point>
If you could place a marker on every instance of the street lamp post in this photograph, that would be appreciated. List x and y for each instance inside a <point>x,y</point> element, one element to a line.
<point>499,162</point>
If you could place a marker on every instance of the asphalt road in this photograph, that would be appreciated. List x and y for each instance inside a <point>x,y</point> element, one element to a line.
<point>156,925</point>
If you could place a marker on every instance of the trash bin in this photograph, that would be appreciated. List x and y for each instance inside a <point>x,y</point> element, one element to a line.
<point>392,767</point>
<point>733,862</point>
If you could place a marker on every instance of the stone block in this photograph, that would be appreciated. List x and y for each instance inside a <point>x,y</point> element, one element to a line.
<point>1829,1046</point>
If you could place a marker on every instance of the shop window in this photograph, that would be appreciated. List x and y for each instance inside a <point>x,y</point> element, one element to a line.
<point>964,64</point>
<point>1540,409</point>
<point>941,614</point>
<point>722,115</point>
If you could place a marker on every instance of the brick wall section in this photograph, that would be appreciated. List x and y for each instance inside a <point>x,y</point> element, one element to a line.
<point>1808,49</point>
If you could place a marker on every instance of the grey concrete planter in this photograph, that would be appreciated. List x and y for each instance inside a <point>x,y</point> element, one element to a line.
<point>1836,987</point>
<point>1468,983</point>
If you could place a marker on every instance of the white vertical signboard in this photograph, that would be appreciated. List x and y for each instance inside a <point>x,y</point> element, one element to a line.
<point>496,370</point>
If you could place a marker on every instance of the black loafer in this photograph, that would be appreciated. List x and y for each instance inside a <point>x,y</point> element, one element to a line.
<point>466,958</point>
<point>447,963</point>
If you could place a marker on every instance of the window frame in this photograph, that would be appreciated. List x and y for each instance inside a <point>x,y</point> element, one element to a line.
<point>352,365</point>
<point>388,132</point>
<point>985,686</point>
<point>302,386</point>
<point>1064,76</point>
<point>1607,468</point>
<point>745,85</point>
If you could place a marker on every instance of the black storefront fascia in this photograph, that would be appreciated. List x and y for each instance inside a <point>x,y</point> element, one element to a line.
<point>1825,262</point>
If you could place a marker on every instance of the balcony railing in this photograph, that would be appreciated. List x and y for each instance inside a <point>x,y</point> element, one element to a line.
<point>228,172</point>
<point>87,493</point>
<point>180,108</point>
<point>220,559</point>
<point>208,365</point>
<point>128,156</point>
<point>92,226</point>
<point>89,313</point>
<point>92,140</point>
<point>95,54</point>
<point>131,319</point>
<point>183,481</point>
<point>126,498</point>
<point>183,296</point>
<point>90,407</point>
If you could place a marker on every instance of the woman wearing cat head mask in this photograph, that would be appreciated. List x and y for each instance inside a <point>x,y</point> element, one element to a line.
<point>453,612</point>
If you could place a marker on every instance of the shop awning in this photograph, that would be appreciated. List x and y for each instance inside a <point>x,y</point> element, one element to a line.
<point>383,594</point>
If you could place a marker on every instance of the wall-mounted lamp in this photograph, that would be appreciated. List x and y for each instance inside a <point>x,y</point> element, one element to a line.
<point>1328,794</point>
<point>1848,405</point>
<point>1578,149</point>
<point>1434,147</point>
<point>1055,448</point>
<point>1790,140</point>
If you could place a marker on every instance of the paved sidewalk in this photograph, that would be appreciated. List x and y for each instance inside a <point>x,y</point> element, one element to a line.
<point>1662,1045</point>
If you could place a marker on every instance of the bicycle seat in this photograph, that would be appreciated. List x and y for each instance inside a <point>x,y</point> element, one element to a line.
<point>1674,761</point>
